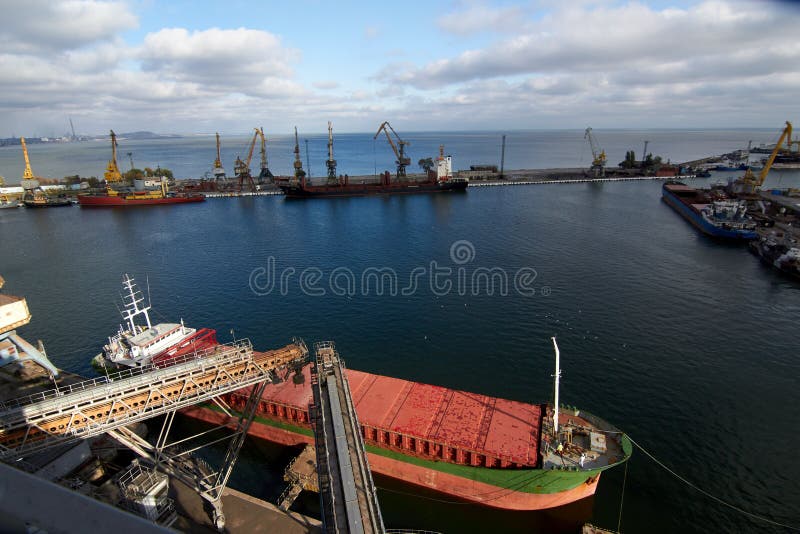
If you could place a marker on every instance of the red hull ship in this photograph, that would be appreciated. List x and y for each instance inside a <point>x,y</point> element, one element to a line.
<point>486,450</point>
<point>135,199</point>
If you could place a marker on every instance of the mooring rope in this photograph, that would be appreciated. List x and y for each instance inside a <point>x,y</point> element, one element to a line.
<point>710,495</point>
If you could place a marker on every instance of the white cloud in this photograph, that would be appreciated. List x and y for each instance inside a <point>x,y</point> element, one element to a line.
<point>478,17</point>
<point>326,84</point>
<point>46,25</point>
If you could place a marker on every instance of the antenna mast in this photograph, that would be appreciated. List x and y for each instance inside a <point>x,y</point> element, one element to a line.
<point>555,400</point>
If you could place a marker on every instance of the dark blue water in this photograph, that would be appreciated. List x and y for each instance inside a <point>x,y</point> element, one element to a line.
<point>686,344</point>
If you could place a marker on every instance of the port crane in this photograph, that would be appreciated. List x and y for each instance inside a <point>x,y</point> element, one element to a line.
<point>598,154</point>
<point>27,174</point>
<point>402,160</point>
<point>112,173</point>
<point>242,168</point>
<point>265,173</point>
<point>218,171</point>
<point>750,183</point>
<point>331,163</point>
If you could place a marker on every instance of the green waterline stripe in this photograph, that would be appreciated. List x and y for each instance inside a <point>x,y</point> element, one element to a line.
<point>537,481</point>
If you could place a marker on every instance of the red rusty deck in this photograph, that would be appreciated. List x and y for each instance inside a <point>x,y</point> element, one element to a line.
<point>426,420</point>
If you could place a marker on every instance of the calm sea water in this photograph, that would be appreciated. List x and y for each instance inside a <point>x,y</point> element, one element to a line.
<point>359,154</point>
<point>686,344</point>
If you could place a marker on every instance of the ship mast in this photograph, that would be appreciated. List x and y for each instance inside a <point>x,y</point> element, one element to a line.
<point>555,400</point>
<point>132,308</point>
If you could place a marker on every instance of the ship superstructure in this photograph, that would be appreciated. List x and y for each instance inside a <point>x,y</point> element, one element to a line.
<point>136,345</point>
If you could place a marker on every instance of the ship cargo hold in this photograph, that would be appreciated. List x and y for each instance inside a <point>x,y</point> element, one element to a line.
<point>481,449</point>
<point>716,217</point>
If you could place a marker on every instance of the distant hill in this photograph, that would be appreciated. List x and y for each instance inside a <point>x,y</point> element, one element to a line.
<point>144,135</point>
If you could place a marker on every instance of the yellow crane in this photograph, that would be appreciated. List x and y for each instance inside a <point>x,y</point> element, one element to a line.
<point>402,159</point>
<point>112,174</point>
<point>27,174</point>
<point>242,168</point>
<point>750,183</point>
<point>599,155</point>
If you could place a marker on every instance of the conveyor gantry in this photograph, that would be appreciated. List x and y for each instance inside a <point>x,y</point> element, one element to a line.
<point>347,491</point>
<point>93,407</point>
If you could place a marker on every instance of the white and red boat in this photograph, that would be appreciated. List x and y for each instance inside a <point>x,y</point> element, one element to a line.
<point>139,345</point>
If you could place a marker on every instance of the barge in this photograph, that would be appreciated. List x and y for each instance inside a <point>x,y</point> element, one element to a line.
<point>710,211</point>
<point>495,452</point>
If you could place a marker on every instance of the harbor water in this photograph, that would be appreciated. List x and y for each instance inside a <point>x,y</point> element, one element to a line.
<point>686,344</point>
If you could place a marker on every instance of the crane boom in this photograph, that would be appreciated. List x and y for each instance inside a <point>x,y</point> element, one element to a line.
<point>112,173</point>
<point>752,182</point>
<point>331,163</point>
<point>402,159</point>
<point>598,154</point>
<point>218,161</point>
<point>252,147</point>
<point>27,173</point>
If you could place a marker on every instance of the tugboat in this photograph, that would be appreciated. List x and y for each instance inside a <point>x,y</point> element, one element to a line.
<point>34,196</point>
<point>779,250</point>
<point>138,345</point>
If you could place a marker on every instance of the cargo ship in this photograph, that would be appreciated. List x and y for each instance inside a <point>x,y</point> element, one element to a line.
<point>710,211</point>
<point>137,345</point>
<point>439,181</point>
<point>125,196</point>
<point>476,448</point>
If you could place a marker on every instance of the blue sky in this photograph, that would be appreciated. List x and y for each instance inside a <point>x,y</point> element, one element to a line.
<point>198,67</point>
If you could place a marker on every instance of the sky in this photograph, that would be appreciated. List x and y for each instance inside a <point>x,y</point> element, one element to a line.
<point>226,66</point>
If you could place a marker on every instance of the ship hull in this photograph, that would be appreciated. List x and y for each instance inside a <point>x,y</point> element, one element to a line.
<point>570,486</point>
<point>360,190</point>
<point>48,204</point>
<point>104,201</point>
<point>697,220</point>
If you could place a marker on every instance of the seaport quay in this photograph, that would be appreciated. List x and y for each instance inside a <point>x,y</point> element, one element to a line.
<point>63,432</point>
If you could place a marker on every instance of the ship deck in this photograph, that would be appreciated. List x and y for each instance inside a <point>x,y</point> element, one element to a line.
<point>400,410</point>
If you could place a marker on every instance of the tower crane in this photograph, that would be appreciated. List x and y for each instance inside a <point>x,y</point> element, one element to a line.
<point>242,168</point>
<point>598,154</point>
<point>331,163</point>
<point>112,173</point>
<point>218,171</point>
<point>265,173</point>
<point>402,159</point>
<point>750,183</point>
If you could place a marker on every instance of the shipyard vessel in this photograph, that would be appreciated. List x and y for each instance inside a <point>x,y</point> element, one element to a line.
<point>778,250</point>
<point>118,195</point>
<point>137,345</point>
<point>440,180</point>
<point>496,452</point>
<point>710,211</point>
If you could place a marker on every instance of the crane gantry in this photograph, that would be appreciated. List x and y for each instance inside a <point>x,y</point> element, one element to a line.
<point>242,168</point>
<point>750,183</point>
<point>402,160</point>
<point>598,154</point>
<point>112,173</point>
<point>218,171</point>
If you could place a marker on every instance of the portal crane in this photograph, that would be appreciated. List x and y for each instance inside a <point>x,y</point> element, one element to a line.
<point>112,173</point>
<point>331,163</point>
<point>242,168</point>
<point>27,174</point>
<point>218,171</point>
<point>402,159</point>
<point>265,173</point>
<point>750,183</point>
<point>598,154</point>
